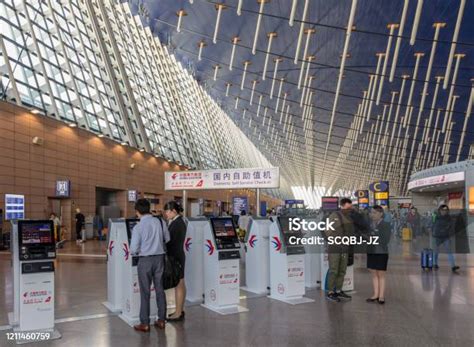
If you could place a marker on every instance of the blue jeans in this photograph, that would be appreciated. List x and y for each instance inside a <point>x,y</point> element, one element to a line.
<point>447,247</point>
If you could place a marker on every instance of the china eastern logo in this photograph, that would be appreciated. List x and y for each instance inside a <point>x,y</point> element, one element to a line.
<point>210,247</point>
<point>276,243</point>
<point>252,241</point>
<point>187,244</point>
<point>126,251</point>
<point>173,176</point>
<point>111,247</point>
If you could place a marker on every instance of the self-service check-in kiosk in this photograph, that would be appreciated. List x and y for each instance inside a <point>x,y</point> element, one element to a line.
<point>257,264</point>
<point>194,269</point>
<point>123,289</point>
<point>312,257</point>
<point>221,267</point>
<point>287,264</point>
<point>33,255</point>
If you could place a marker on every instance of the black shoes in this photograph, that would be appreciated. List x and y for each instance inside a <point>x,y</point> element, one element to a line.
<point>333,297</point>
<point>179,319</point>
<point>455,269</point>
<point>343,295</point>
<point>381,301</point>
<point>372,300</point>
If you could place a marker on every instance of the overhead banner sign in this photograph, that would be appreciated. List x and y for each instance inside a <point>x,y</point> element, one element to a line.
<point>330,203</point>
<point>433,180</point>
<point>240,203</point>
<point>63,189</point>
<point>223,179</point>
<point>362,198</point>
<point>380,189</point>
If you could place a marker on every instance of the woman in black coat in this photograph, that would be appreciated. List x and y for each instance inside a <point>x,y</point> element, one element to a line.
<point>377,255</point>
<point>175,248</point>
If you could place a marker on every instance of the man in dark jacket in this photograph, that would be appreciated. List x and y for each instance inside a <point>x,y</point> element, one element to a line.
<point>443,232</point>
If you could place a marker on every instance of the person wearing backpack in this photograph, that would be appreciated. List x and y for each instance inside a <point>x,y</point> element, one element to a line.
<point>443,231</point>
<point>149,238</point>
<point>338,254</point>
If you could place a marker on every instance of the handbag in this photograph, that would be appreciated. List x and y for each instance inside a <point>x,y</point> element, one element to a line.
<point>172,269</point>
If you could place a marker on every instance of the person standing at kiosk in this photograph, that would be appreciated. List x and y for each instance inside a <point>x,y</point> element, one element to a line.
<point>80,220</point>
<point>177,230</point>
<point>149,237</point>
<point>338,254</point>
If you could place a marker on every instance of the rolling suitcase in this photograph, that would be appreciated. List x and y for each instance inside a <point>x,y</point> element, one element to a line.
<point>427,259</point>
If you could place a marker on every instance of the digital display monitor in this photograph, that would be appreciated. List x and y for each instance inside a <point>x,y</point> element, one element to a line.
<point>223,227</point>
<point>130,223</point>
<point>330,203</point>
<point>36,233</point>
<point>225,233</point>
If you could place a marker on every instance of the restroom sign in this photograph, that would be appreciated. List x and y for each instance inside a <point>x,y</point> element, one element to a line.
<point>63,189</point>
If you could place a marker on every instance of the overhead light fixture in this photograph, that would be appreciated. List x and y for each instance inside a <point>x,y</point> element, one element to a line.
<point>216,69</point>
<point>181,13</point>
<point>300,36</point>
<point>235,40</point>
<point>72,125</point>
<point>416,22</point>
<point>201,45</point>
<point>257,28</point>
<point>35,111</point>
<point>100,135</point>
<point>124,143</point>
<point>292,13</point>
<point>142,149</point>
<point>246,64</point>
<point>275,71</point>
<point>239,8</point>
<point>219,8</point>
<point>269,48</point>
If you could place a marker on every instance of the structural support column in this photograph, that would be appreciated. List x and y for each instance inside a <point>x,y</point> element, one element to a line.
<point>258,202</point>
<point>185,203</point>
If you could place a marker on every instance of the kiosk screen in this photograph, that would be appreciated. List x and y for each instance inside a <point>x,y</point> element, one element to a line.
<point>224,233</point>
<point>130,223</point>
<point>36,233</point>
<point>284,223</point>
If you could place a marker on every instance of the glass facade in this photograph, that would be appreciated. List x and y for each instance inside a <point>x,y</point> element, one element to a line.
<point>93,64</point>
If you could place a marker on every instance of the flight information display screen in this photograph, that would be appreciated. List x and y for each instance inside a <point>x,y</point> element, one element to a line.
<point>36,233</point>
<point>223,227</point>
<point>130,225</point>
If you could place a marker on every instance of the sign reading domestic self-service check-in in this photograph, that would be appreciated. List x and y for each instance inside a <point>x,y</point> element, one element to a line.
<point>223,179</point>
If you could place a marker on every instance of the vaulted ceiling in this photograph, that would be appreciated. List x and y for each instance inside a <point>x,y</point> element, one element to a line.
<point>324,125</point>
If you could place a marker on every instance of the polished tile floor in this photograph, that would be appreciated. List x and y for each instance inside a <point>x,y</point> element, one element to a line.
<point>422,309</point>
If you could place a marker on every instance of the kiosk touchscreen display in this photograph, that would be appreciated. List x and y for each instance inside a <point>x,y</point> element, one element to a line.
<point>36,240</point>
<point>224,233</point>
<point>284,223</point>
<point>130,223</point>
<point>36,233</point>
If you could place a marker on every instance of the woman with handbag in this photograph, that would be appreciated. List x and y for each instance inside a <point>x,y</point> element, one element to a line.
<point>175,247</point>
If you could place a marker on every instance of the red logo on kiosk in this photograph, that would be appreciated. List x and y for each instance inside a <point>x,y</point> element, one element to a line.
<point>276,243</point>
<point>173,176</point>
<point>48,299</point>
<point>126,251</point>
<point>281,288</point>
<point>199,184</point>
<point>210,247</point>
<point>187,244</point>
<point>111,247</point>
<point>25,295</point>
<point>252,241</point>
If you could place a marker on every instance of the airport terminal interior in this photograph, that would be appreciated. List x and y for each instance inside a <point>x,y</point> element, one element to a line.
<point>236,172</point>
